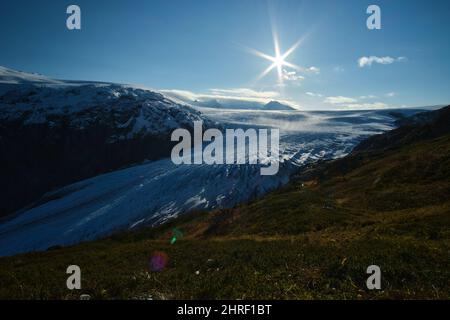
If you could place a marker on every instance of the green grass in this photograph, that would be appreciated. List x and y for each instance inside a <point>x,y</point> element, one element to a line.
<point>235,269</point>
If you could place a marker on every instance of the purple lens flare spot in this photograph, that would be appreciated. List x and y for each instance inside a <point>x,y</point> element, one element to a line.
<point>158,261</point>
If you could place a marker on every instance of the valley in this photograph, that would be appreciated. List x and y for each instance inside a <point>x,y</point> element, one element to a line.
<point>311,239</point>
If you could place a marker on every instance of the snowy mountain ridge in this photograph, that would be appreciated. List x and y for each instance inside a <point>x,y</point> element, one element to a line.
<point>35,99</point>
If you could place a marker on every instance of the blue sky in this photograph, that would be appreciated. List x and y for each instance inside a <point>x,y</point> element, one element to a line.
<point>200,46</point>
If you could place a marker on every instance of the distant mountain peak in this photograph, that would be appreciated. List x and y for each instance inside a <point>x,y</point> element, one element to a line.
<point>275,105</point>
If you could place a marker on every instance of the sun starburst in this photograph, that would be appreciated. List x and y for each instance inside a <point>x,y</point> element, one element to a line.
<point>278,60</point>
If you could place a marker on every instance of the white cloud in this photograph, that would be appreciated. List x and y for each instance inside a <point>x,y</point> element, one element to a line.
<point>368,61</point>
<point>339,100</point>
<point>313,94</point>
<point>292,76</point>
<point>370,96</point>
<point>391,94</point>
<point>312,70</point>
<point>351,103</point>
<point>244,93</point>
<point>338,69</point>
<point>375,105</point>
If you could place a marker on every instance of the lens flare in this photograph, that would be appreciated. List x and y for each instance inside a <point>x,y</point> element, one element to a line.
<point>176,234</point>
<point>158,261</point>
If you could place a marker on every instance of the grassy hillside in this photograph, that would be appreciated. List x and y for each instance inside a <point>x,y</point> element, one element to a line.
<point>313,238</point>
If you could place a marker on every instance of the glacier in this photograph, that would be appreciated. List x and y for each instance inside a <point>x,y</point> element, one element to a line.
<point>154,192</point>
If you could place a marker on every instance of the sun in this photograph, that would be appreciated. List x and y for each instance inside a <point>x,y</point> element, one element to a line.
<point>278,60</point>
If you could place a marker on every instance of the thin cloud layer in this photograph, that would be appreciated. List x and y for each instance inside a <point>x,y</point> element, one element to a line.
<point>227,95</point>
<point>313,94</point>
<point>341,102</point>
<point>244,93</point>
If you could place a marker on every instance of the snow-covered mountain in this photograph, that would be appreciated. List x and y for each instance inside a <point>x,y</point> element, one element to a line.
<point>36,99</point>
<point>55,132</point>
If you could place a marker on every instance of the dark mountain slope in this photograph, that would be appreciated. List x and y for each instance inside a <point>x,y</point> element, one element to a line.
<point>422,126</point>
<point>314,238</point>
<point>54,133</point>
